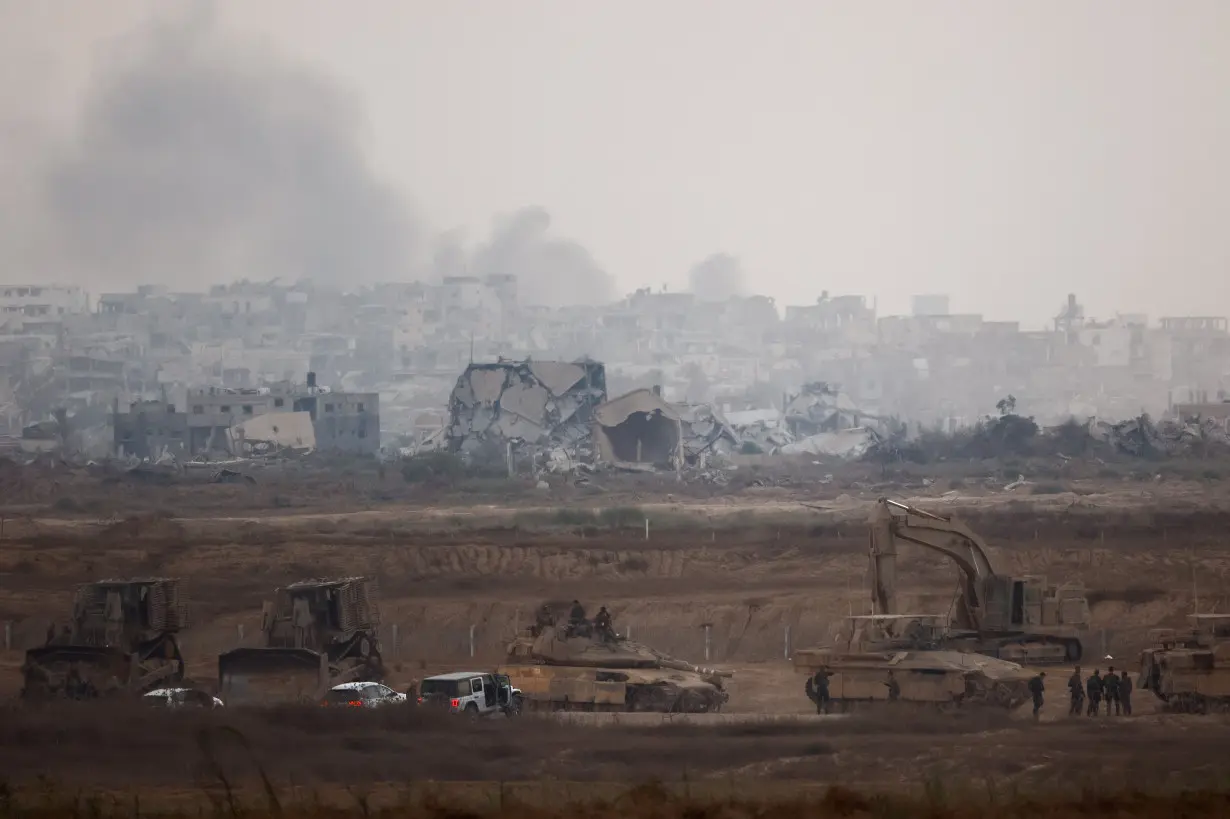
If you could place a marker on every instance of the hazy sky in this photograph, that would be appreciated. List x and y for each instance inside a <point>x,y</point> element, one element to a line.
<point>1005,152</point>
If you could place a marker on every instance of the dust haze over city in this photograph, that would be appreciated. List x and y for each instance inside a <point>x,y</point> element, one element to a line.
<point>585,344</point>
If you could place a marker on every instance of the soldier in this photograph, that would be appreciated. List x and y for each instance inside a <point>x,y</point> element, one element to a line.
<point>412,692</point>
<point>1093,687</point>
<point>1076,690</point>
<point>1125,693</point>
<point>1036,687</point>
<point>544,619</point>
<point>1110,690</point>
<point>894,688</point>
<point>818,690</point>
<point>602,623</point>
<point>73,686</point>
<point>577,615</point>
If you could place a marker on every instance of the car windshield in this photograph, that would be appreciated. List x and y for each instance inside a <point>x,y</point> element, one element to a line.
<point>441,688</point>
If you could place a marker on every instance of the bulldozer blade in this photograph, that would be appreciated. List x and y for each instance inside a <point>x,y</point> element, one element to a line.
<point>47,669</point>
<point>264,676</point>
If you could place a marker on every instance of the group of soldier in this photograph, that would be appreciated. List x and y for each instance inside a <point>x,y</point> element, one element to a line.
<point>578,624</point>
<point>1115,689</point>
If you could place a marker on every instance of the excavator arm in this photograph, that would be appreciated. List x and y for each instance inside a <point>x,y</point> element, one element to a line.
<point>892,522</point>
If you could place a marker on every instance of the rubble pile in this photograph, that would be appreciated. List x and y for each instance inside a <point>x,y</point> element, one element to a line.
<point>1141,437</point>
<point>542,403</point>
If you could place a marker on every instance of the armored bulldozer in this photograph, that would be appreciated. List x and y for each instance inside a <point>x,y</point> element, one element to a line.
<point>587,666</point>
<point>317,634</point>
<point>935,677</point>
<point>1189,670</point>
<point>121,639</point>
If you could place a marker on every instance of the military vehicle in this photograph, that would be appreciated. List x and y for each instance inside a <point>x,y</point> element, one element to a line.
<point>578,665</point>
<point>1190,670</point>
<point>1021,619</point>
<point>121,639</point>
<point>317,634</point>
<point>936,677</point>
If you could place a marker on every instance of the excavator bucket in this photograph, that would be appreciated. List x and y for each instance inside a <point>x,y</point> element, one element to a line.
<point>49,671</point>
<point>261,676</point>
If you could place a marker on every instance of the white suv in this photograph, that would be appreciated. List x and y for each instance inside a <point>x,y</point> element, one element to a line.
<point>472,693</point>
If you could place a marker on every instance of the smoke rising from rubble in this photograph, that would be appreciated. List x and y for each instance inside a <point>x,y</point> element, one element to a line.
<point>550,271</point>
<point>717,278</point>
<point>202,159</point>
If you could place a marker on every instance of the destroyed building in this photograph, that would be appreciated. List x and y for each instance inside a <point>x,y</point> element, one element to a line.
<point>222,420</point>
<point>639,428</point>
<point>542,403</point>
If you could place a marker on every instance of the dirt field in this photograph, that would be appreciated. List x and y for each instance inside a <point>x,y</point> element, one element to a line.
<point>768,568</point>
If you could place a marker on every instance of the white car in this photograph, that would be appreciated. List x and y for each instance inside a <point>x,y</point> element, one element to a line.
<point>362,695</point>
<point>472,693</point>
<point>181,698</point>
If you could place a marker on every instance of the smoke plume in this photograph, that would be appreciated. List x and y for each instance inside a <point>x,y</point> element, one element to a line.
<point>717,278</point>
<point>201,159</point>
<point>550,272</point>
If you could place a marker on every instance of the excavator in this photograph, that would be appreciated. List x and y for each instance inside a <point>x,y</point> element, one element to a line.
<point>317,634</point>
<point>121,639</point>
<point>1020,619</point>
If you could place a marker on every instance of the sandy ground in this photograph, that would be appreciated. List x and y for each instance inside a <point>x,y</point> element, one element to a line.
<point>766,570</point>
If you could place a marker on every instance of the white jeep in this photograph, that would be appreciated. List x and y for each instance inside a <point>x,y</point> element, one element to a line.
<point>473,693</point>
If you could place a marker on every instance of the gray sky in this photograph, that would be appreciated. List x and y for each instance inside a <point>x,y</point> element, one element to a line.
<point>1005,152</point>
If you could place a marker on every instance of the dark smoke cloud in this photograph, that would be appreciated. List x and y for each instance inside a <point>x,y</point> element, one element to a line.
<point>551,272</point>
<point>202,159</point>
<point>717,278</point>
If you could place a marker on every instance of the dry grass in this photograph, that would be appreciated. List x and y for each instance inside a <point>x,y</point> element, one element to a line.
<point>549,800</point>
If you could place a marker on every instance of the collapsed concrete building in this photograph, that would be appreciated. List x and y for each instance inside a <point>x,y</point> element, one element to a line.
<point>542,403</point>
<point>639,428</point>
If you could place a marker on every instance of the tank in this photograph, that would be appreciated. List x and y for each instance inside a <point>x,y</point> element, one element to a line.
<point>120,639</point>
<point>1189,670</point>
<point>579,666</point>
<point>942,678</point>
<point>317,634</point>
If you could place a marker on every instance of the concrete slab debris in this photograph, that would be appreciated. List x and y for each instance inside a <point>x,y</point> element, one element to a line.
<point>277,430</point>
<point>539,403</point>
<point>847,443</point>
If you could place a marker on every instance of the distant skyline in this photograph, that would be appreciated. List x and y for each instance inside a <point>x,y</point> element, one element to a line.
<point>1003,153</point>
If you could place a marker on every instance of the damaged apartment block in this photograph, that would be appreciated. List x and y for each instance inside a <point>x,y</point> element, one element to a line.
<point>541,403</point>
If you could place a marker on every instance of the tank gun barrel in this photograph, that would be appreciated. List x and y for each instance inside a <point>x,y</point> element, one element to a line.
<point>680,665</point>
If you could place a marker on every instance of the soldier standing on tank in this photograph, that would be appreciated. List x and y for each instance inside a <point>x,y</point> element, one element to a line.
<point>1093,687</point>
<point>602,624</point>
<point>1125,693</point>
<point>1110,687</point>
<point>820,690</point>
<point>894,688</point>
<point>1036,688</point>
<point>544,619</point>
<point>1076,691</point>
